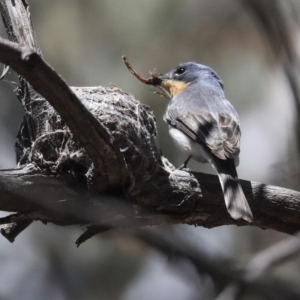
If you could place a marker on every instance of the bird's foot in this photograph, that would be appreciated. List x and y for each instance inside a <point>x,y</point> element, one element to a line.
<point>185,169</point>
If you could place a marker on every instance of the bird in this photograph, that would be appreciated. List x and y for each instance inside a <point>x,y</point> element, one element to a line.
<point>206,127</point>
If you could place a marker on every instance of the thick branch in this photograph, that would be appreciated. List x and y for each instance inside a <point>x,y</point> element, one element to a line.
<point>55,199</point>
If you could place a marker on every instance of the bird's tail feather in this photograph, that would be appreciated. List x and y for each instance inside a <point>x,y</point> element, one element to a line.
<point>235,200</point>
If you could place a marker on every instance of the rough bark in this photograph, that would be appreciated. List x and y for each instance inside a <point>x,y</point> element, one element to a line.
<point>88,155</point>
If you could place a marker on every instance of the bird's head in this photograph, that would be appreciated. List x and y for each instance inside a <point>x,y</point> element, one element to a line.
<point>184,75</point>
<point>179,78</point>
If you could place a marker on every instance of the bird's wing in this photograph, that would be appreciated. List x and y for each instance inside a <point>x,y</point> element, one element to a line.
<point>211,121</point>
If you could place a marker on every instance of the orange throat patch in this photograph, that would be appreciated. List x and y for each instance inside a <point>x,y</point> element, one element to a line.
<point>173,87</point>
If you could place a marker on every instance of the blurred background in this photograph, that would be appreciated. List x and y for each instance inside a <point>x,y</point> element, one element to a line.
<point>255,51</point>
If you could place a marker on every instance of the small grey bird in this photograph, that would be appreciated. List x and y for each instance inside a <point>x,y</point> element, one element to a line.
<point>206,127</point>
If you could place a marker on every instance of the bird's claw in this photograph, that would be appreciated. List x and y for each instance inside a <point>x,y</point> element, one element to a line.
<point>185,169</point>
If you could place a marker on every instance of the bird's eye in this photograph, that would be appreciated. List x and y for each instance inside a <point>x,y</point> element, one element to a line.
<point>180,71</point>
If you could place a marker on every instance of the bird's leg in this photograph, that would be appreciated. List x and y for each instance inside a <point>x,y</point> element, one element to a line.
<point>183,166</point>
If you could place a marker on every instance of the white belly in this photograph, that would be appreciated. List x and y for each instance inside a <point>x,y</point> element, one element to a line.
<point>188,146</point>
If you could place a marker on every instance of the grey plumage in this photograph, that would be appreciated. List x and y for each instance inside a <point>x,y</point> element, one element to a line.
<point>204,124</point>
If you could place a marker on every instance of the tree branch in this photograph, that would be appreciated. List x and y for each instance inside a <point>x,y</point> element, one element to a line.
<point>57,199</point>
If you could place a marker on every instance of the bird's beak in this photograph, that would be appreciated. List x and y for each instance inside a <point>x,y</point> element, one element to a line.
<point>171,86</point>
<point>155,80</point>
<point>163,77</point>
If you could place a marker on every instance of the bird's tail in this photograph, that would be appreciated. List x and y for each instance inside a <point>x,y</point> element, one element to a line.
<point>235,200</point>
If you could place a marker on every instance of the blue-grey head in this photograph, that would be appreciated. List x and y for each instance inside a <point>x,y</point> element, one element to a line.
<point>185,74</point>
